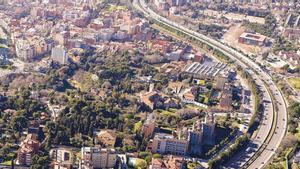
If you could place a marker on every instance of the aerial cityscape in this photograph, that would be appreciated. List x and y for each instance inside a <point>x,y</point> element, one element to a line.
<point>150,84</point>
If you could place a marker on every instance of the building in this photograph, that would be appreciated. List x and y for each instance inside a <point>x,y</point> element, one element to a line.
<point>208,128</point>
<point>167,144</point>
<point>206,69</point>
<point>28,148</point>
<point>194,135</point>
<point>175,87</point>
<point>96,157</point>
<point>59,54</point>
<point>292,34</point>
<point>171,103</point>
<point>3,52</point>
<point>161,5</point>
<point>226,99</point>
<point>62,157</point>
<point>151,99</point>
<point>188,97</point>
<point>292,58</point>
<point>220,83</point>
<point>169,162</point>
<point>107,138</point>
<point>199,57</point>
<point>149,126</point>
<point>24,50</point>
<point>297,158</point>
<point>252,39</point>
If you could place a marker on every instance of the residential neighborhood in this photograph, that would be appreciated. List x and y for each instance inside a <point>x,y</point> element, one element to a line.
<point>116,84</point>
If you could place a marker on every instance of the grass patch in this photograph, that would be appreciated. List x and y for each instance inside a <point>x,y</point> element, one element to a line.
<point>192,106</point>
<point>295,82</point>
<point>3,46</point>
<point>298,133</point>
<point>7,67</point>
<point>138,126</point>
<point>166,112</point>
<point>6,163</point>
<point>201,82</point>
<point>114,8</point>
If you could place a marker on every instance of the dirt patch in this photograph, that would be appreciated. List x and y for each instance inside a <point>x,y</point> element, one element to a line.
<point>231,37</point>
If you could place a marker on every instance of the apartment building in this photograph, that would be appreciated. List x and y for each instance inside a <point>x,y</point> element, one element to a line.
<point>167,144</point>
<point>107,138</point>
<point>59,54</point>
<point>62,157</point>
<point>96,157</point>
<point>28,148</point>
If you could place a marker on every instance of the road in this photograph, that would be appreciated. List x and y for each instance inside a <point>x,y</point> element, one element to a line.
<point>266,140</point>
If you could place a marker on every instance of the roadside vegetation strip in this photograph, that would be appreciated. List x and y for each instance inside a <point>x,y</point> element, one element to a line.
<point>224,156</point>
<point>295,82</point>
<point>195,40</point>
<point>192,37</point>
<point>243,140</point>
<point>270,133</point>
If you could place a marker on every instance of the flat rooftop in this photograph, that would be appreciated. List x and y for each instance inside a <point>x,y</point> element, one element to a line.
<point>206,68</point>
<point>251,36</point>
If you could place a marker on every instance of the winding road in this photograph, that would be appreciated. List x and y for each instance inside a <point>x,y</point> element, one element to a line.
<point>273,125</point>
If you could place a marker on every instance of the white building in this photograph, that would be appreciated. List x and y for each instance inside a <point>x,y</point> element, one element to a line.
<point>24,50</point>
<point>59,54</point>
<point>167,144</point>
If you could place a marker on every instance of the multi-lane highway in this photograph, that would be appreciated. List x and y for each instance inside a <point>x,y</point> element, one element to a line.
<point>274,117</point>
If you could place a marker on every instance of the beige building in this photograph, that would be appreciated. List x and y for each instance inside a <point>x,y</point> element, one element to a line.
<point>169,162</point>
<point>62,157</point>
<point>107,138</point>
<point>28,148</point>
<point>95,157</point>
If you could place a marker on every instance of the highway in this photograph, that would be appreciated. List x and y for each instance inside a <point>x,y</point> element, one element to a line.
<point>273,125</point>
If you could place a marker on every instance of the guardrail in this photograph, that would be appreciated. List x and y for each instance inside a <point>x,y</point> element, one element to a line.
<point>226,52</point>
<point>269,137</point>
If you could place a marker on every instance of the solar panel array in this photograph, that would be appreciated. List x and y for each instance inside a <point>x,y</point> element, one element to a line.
<point>210,69</point>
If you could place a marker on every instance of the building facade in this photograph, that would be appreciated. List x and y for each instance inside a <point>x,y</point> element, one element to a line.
<point>28,148</point>
<point>167,144</point>
<point>96,157</point>
<point>59,54</point>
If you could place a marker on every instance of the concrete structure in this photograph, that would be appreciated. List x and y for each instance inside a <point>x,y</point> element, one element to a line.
<point>170,162</point>
<point>28,148</point>
<point>59,54</point>
<point>3,52</point>
<point>292,34</point>
<point>264,131</point>
<point>292,58</point>
<point>195,137</point>
<point>62,157</point>
<point>149,126</point>
<point>95,157</point>
<point>206,69</point>
<point>107,138</point>
<point>252,39</point>
<point>208,128</point>
<point>167,144</point>
<point>24,50</point>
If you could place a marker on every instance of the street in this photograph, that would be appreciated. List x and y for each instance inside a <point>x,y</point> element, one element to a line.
<point>266,139</point>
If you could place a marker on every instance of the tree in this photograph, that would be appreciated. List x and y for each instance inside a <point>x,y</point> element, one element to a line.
<point>286,67</point>
<point>19,123</point>
<point>40,161</point>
